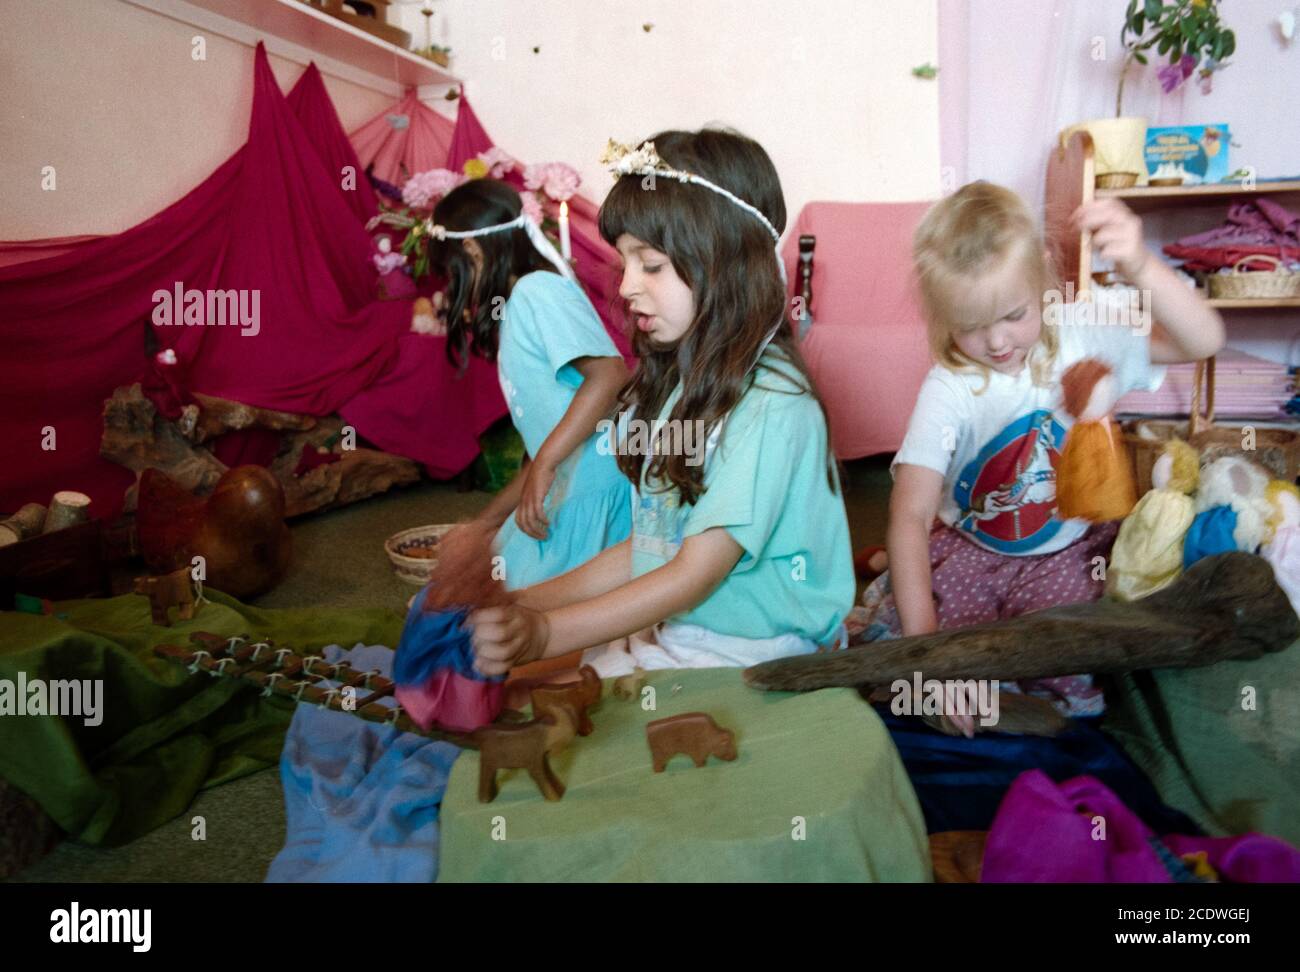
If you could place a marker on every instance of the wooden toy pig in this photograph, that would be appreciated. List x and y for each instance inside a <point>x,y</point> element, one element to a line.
<point>692,733</point>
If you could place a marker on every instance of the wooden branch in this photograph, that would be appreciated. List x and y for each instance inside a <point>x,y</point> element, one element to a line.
<point>217,416</point>
<point>1226,606</point>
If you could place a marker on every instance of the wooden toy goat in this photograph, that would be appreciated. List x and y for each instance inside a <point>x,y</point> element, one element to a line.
<point>167,590</point>
<point>692,733</point>
<point>581,695</point>
<point>525,746</point>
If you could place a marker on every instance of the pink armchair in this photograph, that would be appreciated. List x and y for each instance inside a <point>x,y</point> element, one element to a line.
<point>867,347</point>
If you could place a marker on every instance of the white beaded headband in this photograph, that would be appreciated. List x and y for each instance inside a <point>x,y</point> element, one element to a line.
<point>535,235</point>
<point>644,160</point>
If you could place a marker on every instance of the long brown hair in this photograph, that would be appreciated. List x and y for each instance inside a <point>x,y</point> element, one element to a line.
<point>725,255</point>
<point>475,299</point>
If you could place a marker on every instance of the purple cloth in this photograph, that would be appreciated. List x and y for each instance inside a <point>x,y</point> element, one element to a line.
<point>1049,832</point>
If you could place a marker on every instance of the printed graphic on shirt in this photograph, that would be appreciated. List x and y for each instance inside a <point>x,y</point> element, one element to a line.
<point>1008,491</point>
<point>657,523</point>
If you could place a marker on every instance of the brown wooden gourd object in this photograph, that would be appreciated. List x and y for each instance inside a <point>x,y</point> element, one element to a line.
<point>1226,606</point>
<point>525,746</point>
<point>692,733</point>
<point>168,590</point>
<point>239,530</point>
<point>580,695</point>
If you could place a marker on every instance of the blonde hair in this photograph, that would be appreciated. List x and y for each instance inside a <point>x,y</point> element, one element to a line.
<point>968,234</point>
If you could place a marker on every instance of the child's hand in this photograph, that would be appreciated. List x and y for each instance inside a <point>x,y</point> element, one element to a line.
<point>506,636</point>
<point>1116,235</point>
<point>531,515</point>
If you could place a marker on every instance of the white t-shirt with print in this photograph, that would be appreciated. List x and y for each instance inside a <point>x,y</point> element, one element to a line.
<point>998,447</point>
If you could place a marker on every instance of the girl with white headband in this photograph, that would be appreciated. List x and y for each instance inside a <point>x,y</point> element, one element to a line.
<point>513,299</point>
<point>739,554</point>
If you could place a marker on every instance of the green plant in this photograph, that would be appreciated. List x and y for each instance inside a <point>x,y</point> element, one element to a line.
<point>1188,32</point>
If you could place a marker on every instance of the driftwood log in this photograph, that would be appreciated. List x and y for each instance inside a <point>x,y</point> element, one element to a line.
<point>137,437</point>
<point>1226,606</point>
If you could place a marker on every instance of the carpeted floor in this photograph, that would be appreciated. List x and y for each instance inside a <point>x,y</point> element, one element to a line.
<point>338,560</point>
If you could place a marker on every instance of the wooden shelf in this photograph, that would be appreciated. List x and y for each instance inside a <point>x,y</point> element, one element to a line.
<point>303,33</point>
<point>1251,304</point>
<point>1143,198</point>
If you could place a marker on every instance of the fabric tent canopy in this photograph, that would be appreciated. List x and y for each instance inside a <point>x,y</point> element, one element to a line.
<point>273,223</point>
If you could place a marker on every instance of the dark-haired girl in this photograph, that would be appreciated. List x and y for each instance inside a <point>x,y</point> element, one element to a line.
<point>511,298</point>
<point>739,551</point>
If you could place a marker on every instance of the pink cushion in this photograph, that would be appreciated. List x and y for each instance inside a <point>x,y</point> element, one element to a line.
<point>867,347</point>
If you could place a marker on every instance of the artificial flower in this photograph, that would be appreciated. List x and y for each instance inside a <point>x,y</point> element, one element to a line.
<point>424,187</point>
<point>557,180</point>
<point>476,168</point>
<point>1172,75</point>
<point>498,162</point>
<point>532,207</point>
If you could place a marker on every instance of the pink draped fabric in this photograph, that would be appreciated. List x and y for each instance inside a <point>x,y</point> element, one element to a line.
<point>311,105</point>
<point>408,138</point>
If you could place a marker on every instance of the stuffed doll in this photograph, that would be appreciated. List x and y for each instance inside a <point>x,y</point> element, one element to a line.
<point>1232,510</point>
<point>1094,477</point>
<point>434,670</point>
<point>1148,553</point>
<point>1283,547</point>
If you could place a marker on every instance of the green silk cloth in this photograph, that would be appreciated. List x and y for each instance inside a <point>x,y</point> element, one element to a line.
<point>1221,743</point>
<point>817,793</point>
<point>165,733</point>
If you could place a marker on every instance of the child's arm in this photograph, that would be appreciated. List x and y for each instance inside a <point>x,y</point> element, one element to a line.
<point>913,505</point>
<point>1186,327</point>
<point>505,501</point>
<point>610,568</point>
<point>602,379</point>
<point>514,635</point>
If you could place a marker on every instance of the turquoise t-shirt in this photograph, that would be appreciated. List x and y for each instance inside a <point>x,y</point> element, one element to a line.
<point>766,482</point>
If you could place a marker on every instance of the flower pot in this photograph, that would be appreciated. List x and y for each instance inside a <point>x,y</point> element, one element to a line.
<point>1118,147</point>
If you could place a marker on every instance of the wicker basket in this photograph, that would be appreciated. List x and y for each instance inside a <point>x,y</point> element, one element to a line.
<point>414,552</point>
<point>1278,450</point>
<point>1257,285</point>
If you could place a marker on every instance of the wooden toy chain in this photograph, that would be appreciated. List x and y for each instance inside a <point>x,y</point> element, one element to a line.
<point>282,672</point>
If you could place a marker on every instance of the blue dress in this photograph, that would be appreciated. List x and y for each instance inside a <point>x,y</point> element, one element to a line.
<point>547,323</point>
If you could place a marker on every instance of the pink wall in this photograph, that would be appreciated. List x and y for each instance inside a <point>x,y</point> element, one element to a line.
<point>108,94</point>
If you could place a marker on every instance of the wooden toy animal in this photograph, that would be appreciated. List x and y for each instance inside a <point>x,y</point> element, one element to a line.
<point>168,590</point>
<point>525,747</point>
<point>581,695</point>
<point>692,733</point>
<point>628,687</point>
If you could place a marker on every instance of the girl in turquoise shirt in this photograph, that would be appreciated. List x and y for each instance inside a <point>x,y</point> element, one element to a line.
<point>740,546</point>
<point>560,374</point>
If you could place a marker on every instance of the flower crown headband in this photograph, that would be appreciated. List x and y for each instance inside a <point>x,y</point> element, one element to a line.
<point>437,231</point>
<point>644,160</point>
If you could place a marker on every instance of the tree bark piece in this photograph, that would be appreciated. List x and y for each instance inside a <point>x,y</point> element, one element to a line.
<point>217,416</point>
<point>27,522</point>
<point>1226,606</point>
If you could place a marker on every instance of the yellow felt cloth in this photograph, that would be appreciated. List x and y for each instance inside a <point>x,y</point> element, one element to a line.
<point>1148,553</point>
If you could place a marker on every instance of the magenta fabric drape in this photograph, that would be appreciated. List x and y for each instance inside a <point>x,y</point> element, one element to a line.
<point>271,223</point>
<point>408,138</point>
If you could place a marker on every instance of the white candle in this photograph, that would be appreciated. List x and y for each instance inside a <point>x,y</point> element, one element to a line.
<point>566,250</point>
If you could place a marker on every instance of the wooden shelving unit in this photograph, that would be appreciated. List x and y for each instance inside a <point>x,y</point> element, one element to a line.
<point>1071,178</point>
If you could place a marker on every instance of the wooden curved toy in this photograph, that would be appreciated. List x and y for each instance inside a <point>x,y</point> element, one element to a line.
<point>581,695</point>
<point>692,733</point>
<point>525,746</point>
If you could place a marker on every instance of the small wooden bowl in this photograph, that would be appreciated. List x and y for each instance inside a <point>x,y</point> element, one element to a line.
<point>1172,181</point>
<point>414,552</point>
